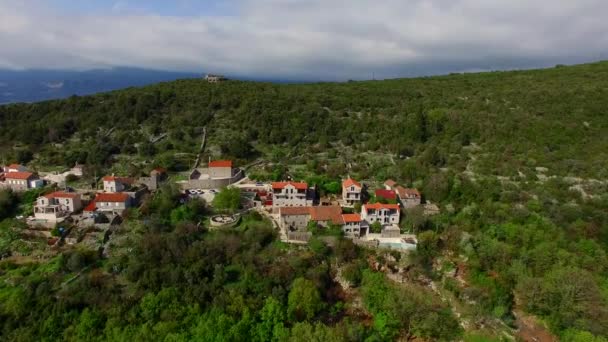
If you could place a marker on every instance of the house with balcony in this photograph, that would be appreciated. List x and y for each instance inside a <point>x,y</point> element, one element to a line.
<point>386,214</point>
<point>290,194</point>
<point>57,206</point>
<point>351,192</point>
<point>351,225</point>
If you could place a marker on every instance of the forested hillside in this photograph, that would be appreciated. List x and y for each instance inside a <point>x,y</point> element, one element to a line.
<point>517,161</point>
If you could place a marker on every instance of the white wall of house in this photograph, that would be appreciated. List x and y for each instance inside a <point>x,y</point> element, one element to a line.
<point>351,194</point>
<point>352,229</point>
<point>113,186</point>
<point>289,196</point>
<point>112,206</point>
<point>220,172</point>
<point>384,216</point>
<point>18,184</point>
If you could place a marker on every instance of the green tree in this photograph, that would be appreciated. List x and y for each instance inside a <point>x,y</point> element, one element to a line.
<point>272,318</point>
<point>8,203</point>
<point>376,227</point>
<point>228,199</point>
<point>304,300</point>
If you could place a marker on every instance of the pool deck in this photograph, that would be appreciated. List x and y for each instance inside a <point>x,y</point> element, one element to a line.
<point>372,236</point>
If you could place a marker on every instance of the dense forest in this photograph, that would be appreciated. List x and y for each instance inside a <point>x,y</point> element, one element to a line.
<point>517,161</point>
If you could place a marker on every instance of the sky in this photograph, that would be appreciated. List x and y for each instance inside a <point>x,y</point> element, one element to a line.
<point>302,39</point>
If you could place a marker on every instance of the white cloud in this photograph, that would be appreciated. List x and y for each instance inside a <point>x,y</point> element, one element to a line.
<point>313,39</point>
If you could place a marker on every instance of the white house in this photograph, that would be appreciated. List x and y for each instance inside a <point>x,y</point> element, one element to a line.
<point>52,207</point>
<point>290,194</point>
<point>351,192</point>
<point>116,184</point>
<point>111,202</point>
<point>386,214</point>
<point>351,225</point>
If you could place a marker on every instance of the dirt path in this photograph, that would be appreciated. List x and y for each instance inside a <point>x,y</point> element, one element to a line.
<point>201,149</point>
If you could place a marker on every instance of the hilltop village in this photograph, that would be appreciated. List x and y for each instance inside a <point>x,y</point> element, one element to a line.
<point>368,215</point>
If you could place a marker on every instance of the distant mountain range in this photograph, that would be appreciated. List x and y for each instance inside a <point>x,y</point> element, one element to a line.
<point>40,85</point>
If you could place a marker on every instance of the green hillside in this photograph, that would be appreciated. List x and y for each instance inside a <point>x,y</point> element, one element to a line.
<point>517,161</point>
<point>550,118</point>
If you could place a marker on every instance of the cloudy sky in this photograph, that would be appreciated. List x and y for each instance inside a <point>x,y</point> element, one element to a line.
<point>309,39</point>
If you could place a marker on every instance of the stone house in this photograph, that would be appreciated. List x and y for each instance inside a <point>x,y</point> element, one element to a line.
<point>409,198</point>
<point>294,218</point>
<point>297,219</point>
<point>112,202</point>
<point>22,181</point>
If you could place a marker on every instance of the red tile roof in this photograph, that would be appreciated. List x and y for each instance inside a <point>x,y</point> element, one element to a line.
<point>323,213</point>
<point>91,207</point>
<point>388,194</point>
<point>297,185</point>
<point>220,163</point>
<point>327,213</point>
<point>390,182</point>
<point>407,193</point>
<point>349,182</point>
<point>286,211</point>
<point>15,166</point>
<point>378,206</point>
<point>112,197</point>
<point>18,175</point>
<point>61,194</point>
<point>124,180</point>
<point>351,218</point>
<point>160,170</point>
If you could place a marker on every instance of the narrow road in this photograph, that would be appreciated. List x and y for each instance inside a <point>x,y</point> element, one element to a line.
<point>202,149</point>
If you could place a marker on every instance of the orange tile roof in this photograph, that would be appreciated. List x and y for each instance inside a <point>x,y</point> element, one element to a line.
<point>378,206</point>
<point>124,180</point>
<point>349,182</point>
<point>220,163</point>
<point>15,166</point>
<point>327,213</point>
<point>62,194</point>
<point>390,182</point>
<point>408,193</point>
<point>112,197</point>
<point>297,185</point>
<point>18,175</point>
<point>351,218</point>
<point>286,211</point>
